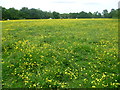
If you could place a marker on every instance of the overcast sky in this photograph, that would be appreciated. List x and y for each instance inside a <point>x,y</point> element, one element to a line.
<point>63,6</point>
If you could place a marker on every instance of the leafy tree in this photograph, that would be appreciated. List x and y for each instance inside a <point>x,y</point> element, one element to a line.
<point>118,13</point>
<point>83,14</point>
<point>56,15</point>
<point>90,15</point>
<point>33,13</point>
<point>12,13</point>
<point>0,13</point>
<point>112,12</point>
<point>97,14</point>
<point>24,13</point>
<point>64,15</point>
<point>105,13</point>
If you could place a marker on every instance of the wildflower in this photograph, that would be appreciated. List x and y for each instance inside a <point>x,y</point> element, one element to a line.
<point>16,48</point>
<point>41,56</point>
<point>34,85</point>
<point>26,81</point>
<point>93,86</point>
<point>30,55</point>
<point>49,80</point>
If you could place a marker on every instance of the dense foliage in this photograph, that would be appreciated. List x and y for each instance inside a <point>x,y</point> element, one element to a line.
<point>25,13</point>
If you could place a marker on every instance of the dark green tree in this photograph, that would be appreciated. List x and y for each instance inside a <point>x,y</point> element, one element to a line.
<point>64,15</point>
<point>56,15</point>
<point>105,13</point>
<point>97,15</point>
<point>24,13</point>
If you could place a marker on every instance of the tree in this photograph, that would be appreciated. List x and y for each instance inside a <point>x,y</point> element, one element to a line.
<point>90,15</point>
<point>118,13</point>
<point>33,13</point>
<point>56,15</point>
<point>105,13</point>
<point>24,13</point>
<point>112,12</point>
<point>83,15</point>
<point>12,13</point>
<point>64,15</point>
<point>97,14</point>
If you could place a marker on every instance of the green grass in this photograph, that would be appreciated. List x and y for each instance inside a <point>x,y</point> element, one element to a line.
<point>61,53</point>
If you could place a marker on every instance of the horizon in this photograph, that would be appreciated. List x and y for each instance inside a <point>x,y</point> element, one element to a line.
<point>68,6</point>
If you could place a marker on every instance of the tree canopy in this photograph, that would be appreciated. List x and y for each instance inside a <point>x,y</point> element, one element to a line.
<point>25,13</point>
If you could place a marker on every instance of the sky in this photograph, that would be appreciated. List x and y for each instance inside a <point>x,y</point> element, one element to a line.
<point>63,6</point>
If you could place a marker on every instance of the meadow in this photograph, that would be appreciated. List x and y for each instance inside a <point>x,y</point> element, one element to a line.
<point>60,53</point>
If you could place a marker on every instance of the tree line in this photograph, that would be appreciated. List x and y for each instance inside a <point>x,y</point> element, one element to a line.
<point>25,13</point>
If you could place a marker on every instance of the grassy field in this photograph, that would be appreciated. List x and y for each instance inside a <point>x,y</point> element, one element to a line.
<point>71,53</point>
